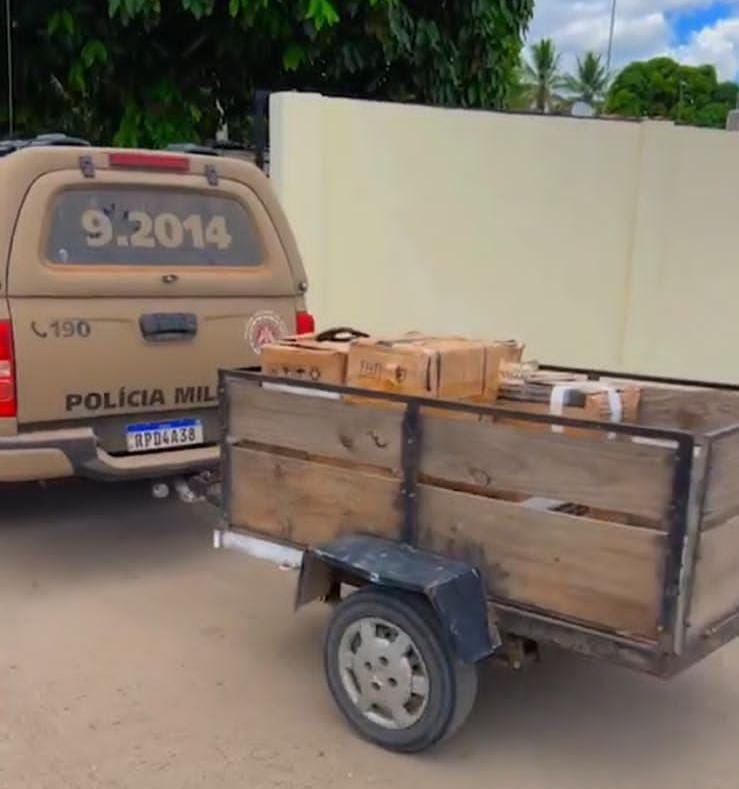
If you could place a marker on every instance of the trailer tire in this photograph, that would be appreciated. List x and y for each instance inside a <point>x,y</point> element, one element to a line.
<point>392,671</point>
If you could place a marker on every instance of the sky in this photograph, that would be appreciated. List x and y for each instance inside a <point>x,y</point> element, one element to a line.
<point>690,31</point>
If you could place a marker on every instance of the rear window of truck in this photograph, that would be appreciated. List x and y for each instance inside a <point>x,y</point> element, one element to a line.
<point>151,227</point>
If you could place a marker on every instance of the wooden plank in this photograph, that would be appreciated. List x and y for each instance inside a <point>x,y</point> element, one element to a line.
<point>722,493</point>
<point>613,475</point>
<point>605,574</point>
<point>302,502</point>
<point>696,410</point>
<point>314,425</point>
<point>716,586</point>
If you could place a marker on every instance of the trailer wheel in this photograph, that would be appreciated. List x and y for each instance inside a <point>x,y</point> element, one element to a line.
<point>392,672</point>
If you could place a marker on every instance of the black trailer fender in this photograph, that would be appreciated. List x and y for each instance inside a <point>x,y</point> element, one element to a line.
<point>454,589</point>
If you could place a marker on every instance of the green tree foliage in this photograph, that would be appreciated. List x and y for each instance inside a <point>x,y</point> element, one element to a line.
<point>662,88</point>
<point>147,72</point>
<point>540,75</point>
<point>590,81</point>
<point>518,95</point>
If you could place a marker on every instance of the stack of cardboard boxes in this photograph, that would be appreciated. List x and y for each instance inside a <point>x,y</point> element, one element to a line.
<point>526,389</point>
<point>451,368</point>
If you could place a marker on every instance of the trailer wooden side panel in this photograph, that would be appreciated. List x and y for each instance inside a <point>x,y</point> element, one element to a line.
<point>618,475</point>
<point>614,475</point>
<point>314,425</point>
<point>306,503</point>
<point>716,585</point>
<point>593,571</point>
<point>601,573</point>
<point>695,410</point>
<point>722,493</point>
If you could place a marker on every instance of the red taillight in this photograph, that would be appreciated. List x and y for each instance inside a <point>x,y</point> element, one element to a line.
<point>149,161</point>
<point>8,404</point>
<point>305,323</point>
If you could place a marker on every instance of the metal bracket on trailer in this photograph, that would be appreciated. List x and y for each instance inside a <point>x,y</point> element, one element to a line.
<point>453,588</point>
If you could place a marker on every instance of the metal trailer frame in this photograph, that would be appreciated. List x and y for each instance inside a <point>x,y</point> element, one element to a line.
<point>670,655</point>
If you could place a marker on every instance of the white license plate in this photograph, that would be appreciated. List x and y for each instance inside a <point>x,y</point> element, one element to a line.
<point>150,436</point>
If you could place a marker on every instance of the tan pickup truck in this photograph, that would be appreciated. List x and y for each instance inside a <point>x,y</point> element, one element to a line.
<point>127,279</point>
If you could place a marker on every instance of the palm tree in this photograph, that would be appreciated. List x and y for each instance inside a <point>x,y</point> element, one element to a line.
<point>590,81</point>
<point>541,75</point>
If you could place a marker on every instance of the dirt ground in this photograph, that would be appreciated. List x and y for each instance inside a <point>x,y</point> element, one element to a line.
<point>134,655</point>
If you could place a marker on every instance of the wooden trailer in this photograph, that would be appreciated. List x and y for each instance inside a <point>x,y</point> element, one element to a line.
<point>474,529</point>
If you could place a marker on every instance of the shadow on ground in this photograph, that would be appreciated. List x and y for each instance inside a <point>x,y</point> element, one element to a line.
<point>81,528</point>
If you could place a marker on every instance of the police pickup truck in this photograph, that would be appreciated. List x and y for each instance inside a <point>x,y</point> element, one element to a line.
<point>127,279</point>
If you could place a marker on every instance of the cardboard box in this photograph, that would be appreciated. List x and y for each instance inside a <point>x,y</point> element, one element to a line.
<point>449,368</point>
<point>498,353</point>
<point>303,358</point>
<point>587,400</point>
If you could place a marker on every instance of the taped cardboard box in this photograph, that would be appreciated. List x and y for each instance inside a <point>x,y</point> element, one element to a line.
<point>560,395</point>
<point>304,358</point>
<point>448,368</point>
<point>498,355</point>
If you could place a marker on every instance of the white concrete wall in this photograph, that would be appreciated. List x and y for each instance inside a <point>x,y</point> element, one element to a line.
<point>599,243</point>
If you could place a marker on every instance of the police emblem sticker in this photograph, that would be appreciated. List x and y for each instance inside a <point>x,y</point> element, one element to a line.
<point>264,327</point>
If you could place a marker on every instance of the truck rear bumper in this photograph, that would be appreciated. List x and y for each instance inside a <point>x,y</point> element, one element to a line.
<point>67,453</point>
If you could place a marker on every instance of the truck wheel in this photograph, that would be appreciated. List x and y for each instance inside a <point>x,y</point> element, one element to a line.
<point>392,672</point>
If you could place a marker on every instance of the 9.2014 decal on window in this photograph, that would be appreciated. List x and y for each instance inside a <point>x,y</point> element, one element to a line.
<point>161,230</point>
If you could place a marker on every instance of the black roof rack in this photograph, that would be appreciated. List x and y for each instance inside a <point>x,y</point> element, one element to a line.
<point>56,138</point>
<point>192,147</point>
<point>8,146</point>
<point>230,145</point>
<point>41,140</point>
